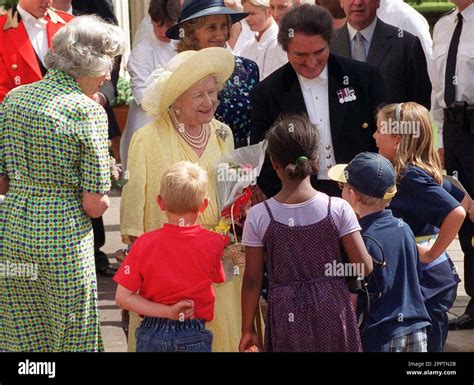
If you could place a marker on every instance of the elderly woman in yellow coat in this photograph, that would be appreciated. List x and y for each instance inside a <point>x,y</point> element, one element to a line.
<point>184,96</point>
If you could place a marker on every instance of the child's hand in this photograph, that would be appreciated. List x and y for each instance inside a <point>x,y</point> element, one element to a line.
<point>425,254</point>
<point>249,342</point>
<point>182,310</point>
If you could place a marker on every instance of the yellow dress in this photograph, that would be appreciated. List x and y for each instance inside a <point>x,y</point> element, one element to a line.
<point>152,150</point>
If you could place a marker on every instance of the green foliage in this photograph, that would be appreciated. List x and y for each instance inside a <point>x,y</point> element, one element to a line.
<point>7,4</point>
<point>433,7</point>
<point>124,93</point>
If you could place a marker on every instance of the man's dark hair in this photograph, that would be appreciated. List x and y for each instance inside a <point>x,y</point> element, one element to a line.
<point>332,6</point>
<point>164,11</point>
<point>307,19</point>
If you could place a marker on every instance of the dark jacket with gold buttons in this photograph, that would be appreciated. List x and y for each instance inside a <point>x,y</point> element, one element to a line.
<point>352,120</point>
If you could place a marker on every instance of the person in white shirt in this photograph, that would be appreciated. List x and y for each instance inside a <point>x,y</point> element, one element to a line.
<point>153,50</point>
<point>452,108</point>
<point>279,7</point>
<point>240,33</point>
<point>404,16</point>
<point>264,48</point>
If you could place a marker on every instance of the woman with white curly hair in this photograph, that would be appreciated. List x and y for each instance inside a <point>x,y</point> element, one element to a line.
<point>184,96</point>
<point>54,170</point>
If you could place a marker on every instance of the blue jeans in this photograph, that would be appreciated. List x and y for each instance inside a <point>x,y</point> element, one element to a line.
<point>437,308</point>
<point>165,335</point>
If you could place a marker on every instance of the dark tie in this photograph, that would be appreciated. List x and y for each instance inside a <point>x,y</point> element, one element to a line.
<point>449,78</point>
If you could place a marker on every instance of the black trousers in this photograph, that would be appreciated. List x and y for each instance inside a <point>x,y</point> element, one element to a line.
<point>101,259</point>
<point>459,160</point>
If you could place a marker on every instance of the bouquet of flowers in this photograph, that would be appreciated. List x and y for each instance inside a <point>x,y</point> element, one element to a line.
<point>236,172</point>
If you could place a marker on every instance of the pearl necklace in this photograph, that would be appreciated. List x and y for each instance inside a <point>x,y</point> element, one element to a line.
<point>198,141</point>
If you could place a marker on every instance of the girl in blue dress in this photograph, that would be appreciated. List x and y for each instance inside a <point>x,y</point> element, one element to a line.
<point>429,205</point>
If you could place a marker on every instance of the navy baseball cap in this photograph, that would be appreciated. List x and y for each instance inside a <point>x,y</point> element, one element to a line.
<point>370,173</point>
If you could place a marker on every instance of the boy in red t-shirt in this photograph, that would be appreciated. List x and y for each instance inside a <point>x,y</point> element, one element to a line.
<point>168,275</point>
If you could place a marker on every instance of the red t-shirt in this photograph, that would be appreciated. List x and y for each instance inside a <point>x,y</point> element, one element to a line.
<point>175,263</point>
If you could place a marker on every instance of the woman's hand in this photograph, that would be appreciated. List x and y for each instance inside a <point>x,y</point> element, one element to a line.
<point>471,212</point>
<point>257,195</point>
<point>95,204</point>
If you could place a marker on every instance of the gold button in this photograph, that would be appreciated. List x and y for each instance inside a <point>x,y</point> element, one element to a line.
<point>365,125</point>
<point>329,165</point>
<point>328,156</point>
<point>14,66</point>
<point>328,147</point>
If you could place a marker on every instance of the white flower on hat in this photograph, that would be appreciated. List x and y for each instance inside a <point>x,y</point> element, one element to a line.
<point>153,91</point>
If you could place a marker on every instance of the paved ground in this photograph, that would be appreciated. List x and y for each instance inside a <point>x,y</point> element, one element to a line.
<point>114,338</point>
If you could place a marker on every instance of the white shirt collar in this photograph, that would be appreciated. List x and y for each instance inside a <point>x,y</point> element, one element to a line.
<point>322,79</point>
<point>30,19</point>
<point>467,14</point>
<point>367,32</point>
<point>269,34</point>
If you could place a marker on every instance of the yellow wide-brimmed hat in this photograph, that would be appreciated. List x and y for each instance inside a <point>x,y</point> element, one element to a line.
<point>182,72</point>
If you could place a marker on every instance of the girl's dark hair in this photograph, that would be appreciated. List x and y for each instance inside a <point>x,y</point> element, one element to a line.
<point>164,11</point>
<point>291,140</point>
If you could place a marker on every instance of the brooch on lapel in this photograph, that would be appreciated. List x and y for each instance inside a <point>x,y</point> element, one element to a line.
<point>222,133</point>
<point>346,95</point>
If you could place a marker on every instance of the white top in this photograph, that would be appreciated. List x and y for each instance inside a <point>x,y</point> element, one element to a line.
<point>367,33</point>
<point>148,54</point>
<point>442,34</point>
<point>144,29</point>
<point>301,214</point>
<point>403,16</point>
<point>36,29</point>
<point>258,51</point>
<point>316,98</point>
<point>246,35</point>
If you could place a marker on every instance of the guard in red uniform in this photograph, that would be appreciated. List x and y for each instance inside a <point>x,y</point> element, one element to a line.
<point>25,36</point>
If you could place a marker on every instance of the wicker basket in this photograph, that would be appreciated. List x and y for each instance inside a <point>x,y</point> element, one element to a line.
<point>236,253</point>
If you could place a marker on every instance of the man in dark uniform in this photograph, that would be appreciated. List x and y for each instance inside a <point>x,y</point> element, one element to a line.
<point>396,53</point>
<point>452,76</point>
<point>339,95</point>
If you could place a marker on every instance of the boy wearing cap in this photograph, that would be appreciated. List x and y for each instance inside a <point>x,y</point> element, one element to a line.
<point>397,319</point>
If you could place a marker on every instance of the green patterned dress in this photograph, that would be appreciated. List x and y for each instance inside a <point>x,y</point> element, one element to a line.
<point>53,146</point>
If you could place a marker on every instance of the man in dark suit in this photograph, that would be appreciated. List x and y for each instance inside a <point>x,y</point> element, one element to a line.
<point>396,53</point>
<point>105,97</point>
<point>339,95</point>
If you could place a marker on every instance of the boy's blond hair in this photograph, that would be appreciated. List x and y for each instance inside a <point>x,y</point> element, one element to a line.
<point>378,203</point>
<point>184,187</point>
